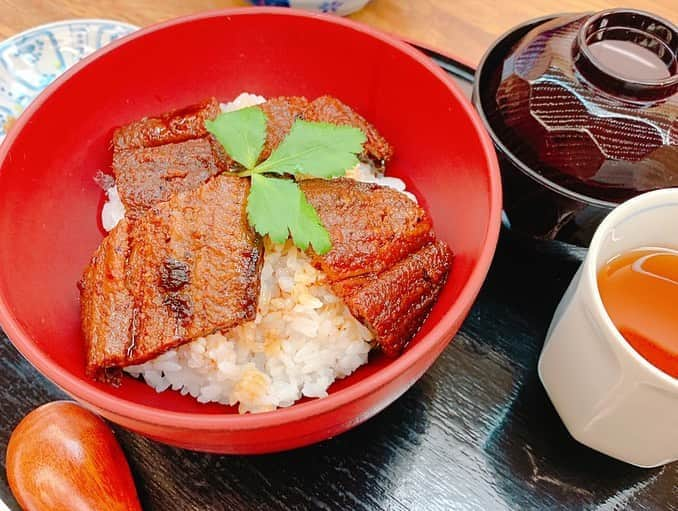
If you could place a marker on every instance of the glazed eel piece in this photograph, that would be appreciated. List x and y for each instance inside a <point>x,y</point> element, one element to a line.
<point>385,263</point>
<point>156,157</point>
<point>184,269</point>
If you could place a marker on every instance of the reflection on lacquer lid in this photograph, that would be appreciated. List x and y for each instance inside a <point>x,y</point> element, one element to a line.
<point>590,103</point>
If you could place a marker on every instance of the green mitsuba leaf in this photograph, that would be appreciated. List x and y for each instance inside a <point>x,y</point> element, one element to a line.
<point>315,149</point>
<point>278,208</point>
<point>242,133</point>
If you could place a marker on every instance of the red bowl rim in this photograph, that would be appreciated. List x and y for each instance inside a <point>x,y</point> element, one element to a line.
<point>444,329</point>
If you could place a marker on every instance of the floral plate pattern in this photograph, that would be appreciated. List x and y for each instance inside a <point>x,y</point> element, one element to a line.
<point>33,59</point>
<point>340,7</point>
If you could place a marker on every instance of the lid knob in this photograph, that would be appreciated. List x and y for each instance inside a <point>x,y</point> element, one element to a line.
<point>628,53</point>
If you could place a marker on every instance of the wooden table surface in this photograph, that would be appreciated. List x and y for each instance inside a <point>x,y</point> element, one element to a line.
<point>476,432</point>
<point>461,27</point>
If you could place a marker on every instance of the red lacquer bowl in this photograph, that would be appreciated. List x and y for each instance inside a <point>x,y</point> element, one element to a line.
<point>49,203</point>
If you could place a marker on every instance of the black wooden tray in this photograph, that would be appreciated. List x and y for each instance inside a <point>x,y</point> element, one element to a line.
<point>476,432</point>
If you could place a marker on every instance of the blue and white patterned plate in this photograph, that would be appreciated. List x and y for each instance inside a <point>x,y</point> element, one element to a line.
<point>31,60</point>
<point>340,7</point>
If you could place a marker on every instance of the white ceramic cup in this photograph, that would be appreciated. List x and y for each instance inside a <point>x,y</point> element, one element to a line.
<point>609,397</point>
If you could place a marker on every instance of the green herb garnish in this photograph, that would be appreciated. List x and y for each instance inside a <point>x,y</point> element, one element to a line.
<point>276,206</point>
<point>242,133</point>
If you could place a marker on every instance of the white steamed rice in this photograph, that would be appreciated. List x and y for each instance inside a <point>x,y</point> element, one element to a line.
<point>302,339</point>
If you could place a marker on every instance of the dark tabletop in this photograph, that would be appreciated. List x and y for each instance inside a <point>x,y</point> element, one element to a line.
<point>476,432</point>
